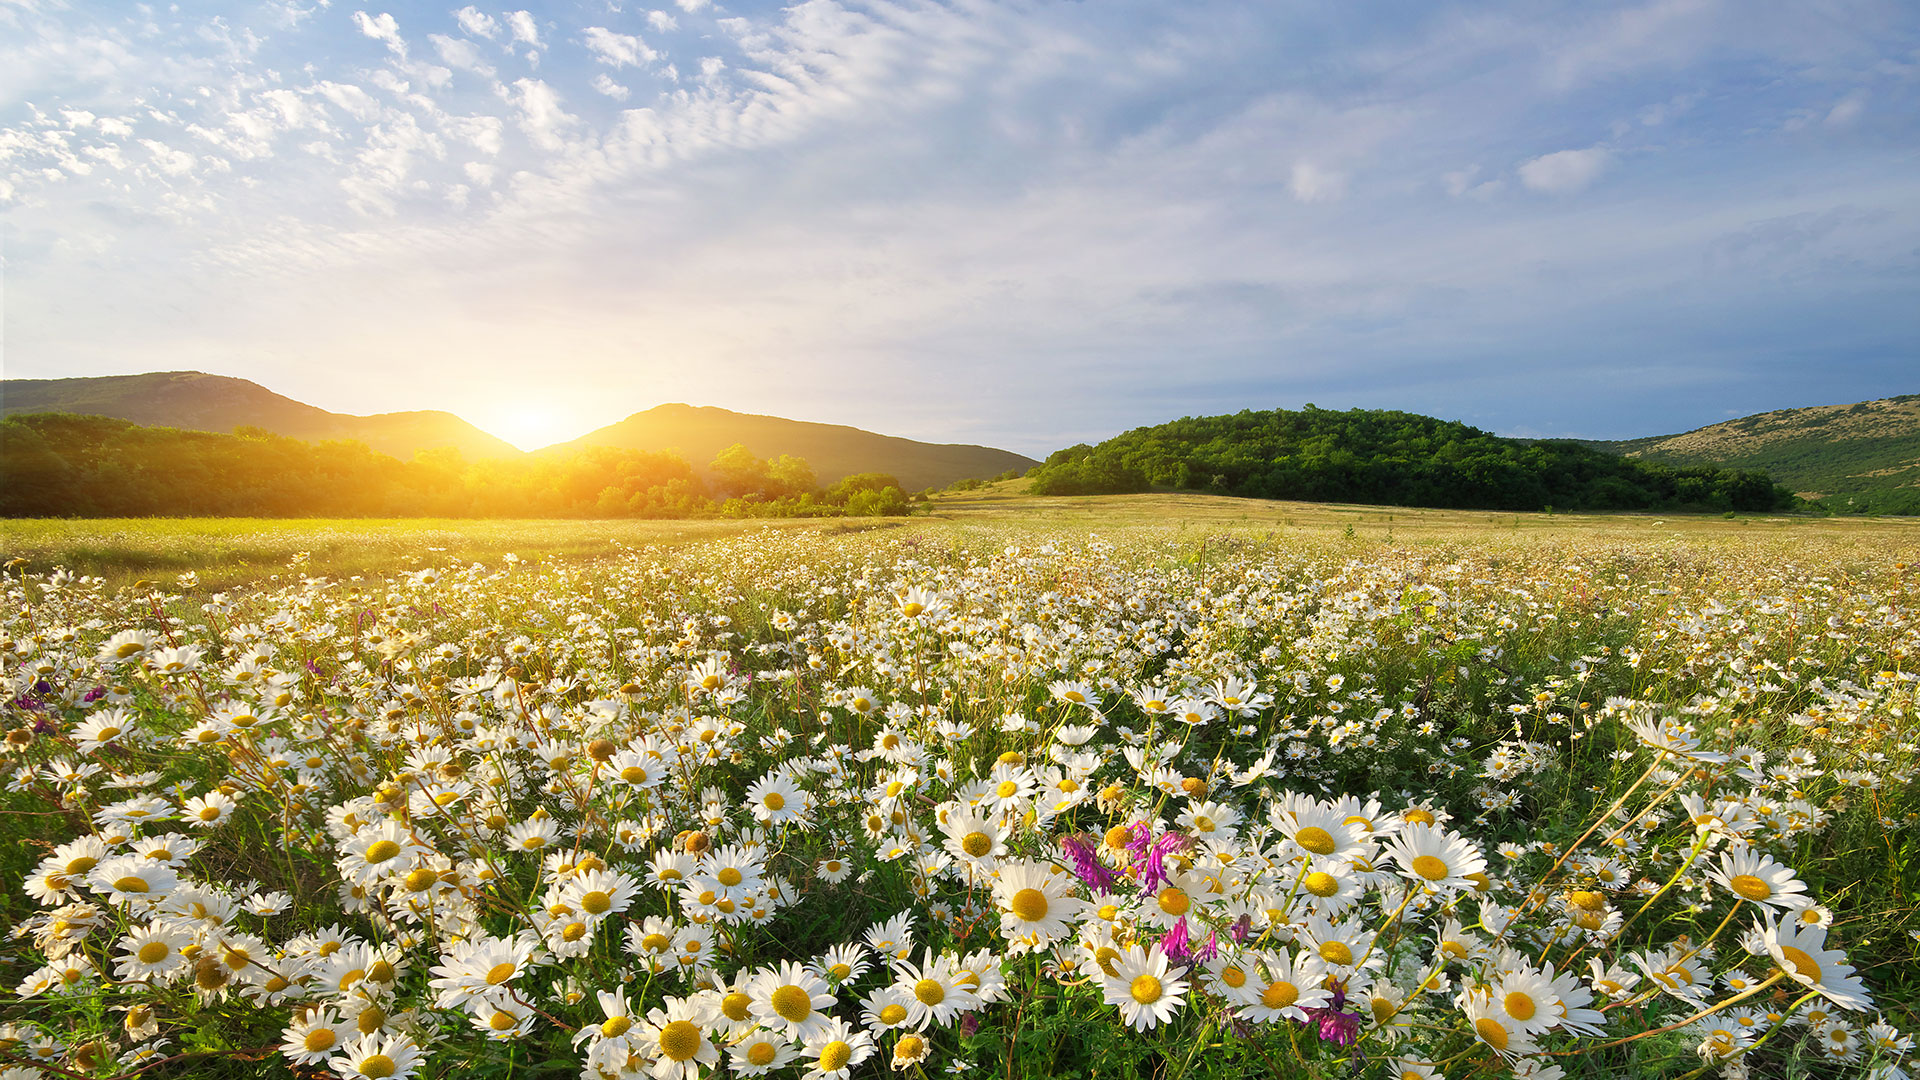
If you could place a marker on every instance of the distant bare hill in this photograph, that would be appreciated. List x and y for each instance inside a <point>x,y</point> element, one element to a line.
<point>1859,457</point>
<point>200,402</point>
<point>700,433</point>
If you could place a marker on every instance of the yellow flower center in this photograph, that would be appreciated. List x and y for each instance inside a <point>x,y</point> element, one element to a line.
<point>1336,952</point>
<point>1803,965</point>
<point>728,876</point>
<point>616,1026</point>
<point>793,1004</point>
<point>1315,839</point>
<point>976,844</point>
<point>761,1054</point>
<point>834,1056</point>
<point>376,1066</point>
<point>1029,904</point>
<point>737,1007</point>
<point>773,800</point>
<point>153,952</point>
<point>1491,1032</point>
<point>930,991</point>
<point>1233,976</point>
<point>1145,989</point>
<point>1519,1006</point>
<point>1173,901</point>
<point>573,931</point>
<point>1321,883</point>
<point>319,1039</point>
<point>1430,867</point>
<point>1418,817</point>
<point>1279,995</point>
<point>500,973</point>
<point>1118,836</point>
<point>655,943</point>
<point>131,884</point>
<point>1007,789</point>
<point>634,774</point>
<point>501,1020</point>
<point>680,1040</point>
<point>1751,887</point>
<point>596,903</point>
<point>893,1014</point>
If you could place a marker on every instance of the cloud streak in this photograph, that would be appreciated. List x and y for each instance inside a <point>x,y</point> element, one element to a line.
<point>950,221</point>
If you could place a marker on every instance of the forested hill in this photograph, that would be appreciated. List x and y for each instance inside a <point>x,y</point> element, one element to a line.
<point>1394,459</point>
<point>1858,458</point>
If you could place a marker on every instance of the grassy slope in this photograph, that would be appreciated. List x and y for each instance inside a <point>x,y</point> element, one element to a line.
<point>1868,450</point>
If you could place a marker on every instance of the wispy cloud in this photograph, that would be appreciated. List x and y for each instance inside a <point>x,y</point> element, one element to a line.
<point>1010,223</point>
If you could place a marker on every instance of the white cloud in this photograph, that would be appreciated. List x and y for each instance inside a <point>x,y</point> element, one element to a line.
<point>691,6</point>
<point>476,22</point>
<point>481,132</point>
<point>1847,110</point>
<point>460,53</point>
<point>605,84</point>
<point>167,159</point>
<point>662,21</point>
<point>382,27</point>
<point>619,50</point>
<point>356,102</point>
<point>524,28</point>
<point>1565,170</point>
<point>1460,181</point>
<point>541,116</point>
<point>1311,184</point>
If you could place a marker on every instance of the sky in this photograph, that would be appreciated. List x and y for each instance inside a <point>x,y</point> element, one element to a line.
<point>1024,225</point>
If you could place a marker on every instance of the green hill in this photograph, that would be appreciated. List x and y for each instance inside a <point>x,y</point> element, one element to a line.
<point>1858,458</point>
<point>1390,458</point>
<point>195,401</point>
<point>835,451</point>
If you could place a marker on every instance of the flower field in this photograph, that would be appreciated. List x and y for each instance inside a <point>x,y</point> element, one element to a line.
<point>972,801</point>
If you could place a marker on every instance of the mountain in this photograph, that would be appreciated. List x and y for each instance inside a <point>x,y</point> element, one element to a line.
<point>700,433</point>
<point>1389,458</point>
<point>195,401</point>
<point>1863,457</point>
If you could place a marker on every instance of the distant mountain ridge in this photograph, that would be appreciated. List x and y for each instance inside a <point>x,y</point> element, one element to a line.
<point>1858,457</point>
<point>700,433</point>
<point>197,401</point>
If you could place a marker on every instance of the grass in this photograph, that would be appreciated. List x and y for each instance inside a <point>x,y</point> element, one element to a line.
<point>1497,628</point>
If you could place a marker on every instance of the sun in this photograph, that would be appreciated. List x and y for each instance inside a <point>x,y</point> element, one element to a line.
<point>530,427</point>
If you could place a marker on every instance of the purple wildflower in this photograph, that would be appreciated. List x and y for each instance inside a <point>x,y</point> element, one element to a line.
<point>95,694</point>
<point>1337,1027</point>
<point>1242,929</point>
<point>1209,948</point>
<point>1175,943</point>
<point>1087,866</point>
<point>1154,873</point>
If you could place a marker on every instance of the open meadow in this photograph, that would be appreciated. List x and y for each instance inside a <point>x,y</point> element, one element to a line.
<point>1129,786</point>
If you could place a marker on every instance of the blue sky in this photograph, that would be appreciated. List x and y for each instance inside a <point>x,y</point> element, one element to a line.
<point>1022,224</point>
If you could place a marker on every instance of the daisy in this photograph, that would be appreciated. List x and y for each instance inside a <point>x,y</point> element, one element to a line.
<point>910,1050</point>
<point>1755,876</point>
<point>130,879</point>
<point>476,967</point>
<point>973,837</point>
<point>836,1049</point>
<point>1524,1001</point>
<point>790,999</point>
<point>843,963</point>
<point>209,810</point>
<point>377,1057</point>
<point>1288,986</point>
<point>1801,952</point>
<point>1037,905</point>
<point>935,996</point>
<point>1146,993</point>
<point>677,1041</point>
<point>759,1053</point>
<point>775,799</point>
<point>1431,857</point>
<point>600,893</point>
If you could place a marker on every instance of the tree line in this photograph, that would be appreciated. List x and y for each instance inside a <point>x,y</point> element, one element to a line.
<point>64,465</point>
<point>1391,458</point>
